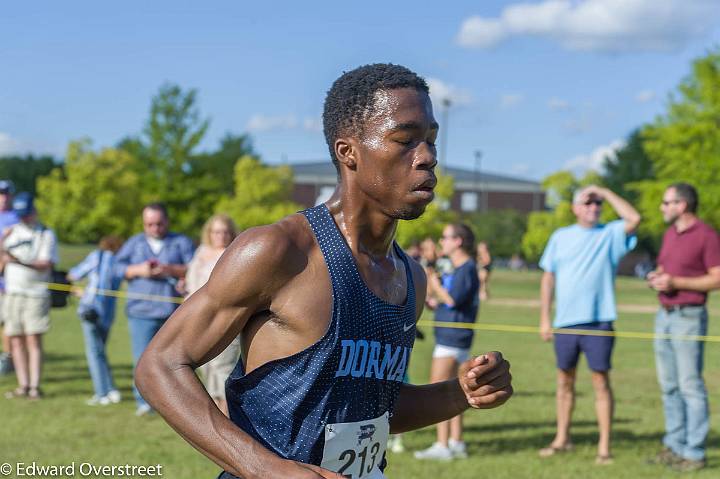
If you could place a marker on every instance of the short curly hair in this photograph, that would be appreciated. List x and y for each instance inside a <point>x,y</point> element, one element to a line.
<point>351,99</point>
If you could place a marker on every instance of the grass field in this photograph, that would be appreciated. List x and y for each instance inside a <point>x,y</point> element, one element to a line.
<point>502,443</point>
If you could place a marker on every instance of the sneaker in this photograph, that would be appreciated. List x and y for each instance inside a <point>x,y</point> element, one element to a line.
<point>395,444</point>
<point>689,465</point>
<point>666,457</point>
<point>458,449</point>
<point>6,364</point>
<point>143,410</point>
<point>98,401</point>
<point>114,396</point>
<point>436,452</point>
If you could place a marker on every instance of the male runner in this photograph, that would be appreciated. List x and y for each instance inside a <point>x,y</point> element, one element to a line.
<point>326,303</point>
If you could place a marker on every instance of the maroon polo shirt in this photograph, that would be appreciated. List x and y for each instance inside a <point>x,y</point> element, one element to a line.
<point>688,254</point>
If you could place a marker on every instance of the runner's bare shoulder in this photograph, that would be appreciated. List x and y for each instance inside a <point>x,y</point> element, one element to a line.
<point>261,260</point>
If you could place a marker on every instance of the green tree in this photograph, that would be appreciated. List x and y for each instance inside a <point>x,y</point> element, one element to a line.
<point>436,215</point>
<point>502,230</point>
<point>166,150</point>
<point>24,170</point>
<point>96,193</point>
<point>630,164</point>
<point>684,145</point>
<point>262,194</point>
<point>220,164</point>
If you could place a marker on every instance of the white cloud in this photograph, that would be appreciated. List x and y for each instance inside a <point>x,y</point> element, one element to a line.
<point>439,91</point>
<point>645,96</point>
<point>265,123</point>
<point>520,168</point>
<point>509,100</point>
<point>595,159</point>
<point>576,126</point>
<point>312,124</point>
<point>283,122</point>
<point>597,25</point>
<point>8,145</point>
<point>558,104</point>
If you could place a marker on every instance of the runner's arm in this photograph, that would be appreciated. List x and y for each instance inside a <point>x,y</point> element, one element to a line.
<point>257,265</point>
<point>483,382</point>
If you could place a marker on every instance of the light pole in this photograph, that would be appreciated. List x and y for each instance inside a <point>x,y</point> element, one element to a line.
<point>476,174</point>
<point>443,146</point>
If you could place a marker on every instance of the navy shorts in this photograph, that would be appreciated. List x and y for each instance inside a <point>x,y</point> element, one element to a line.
<point>597,349</point>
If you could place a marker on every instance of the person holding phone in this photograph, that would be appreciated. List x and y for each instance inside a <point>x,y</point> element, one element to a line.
<point>152,262</point>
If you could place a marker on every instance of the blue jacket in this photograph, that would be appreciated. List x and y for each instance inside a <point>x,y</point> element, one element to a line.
<point>99,267</point>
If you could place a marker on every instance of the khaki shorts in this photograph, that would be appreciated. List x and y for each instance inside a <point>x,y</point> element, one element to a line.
<point>25,315</point>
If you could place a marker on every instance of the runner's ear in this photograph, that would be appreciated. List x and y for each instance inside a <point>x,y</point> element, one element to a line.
<point>346,151</point>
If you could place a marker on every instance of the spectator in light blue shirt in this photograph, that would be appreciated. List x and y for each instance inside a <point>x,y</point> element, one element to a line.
<point>152,262</point>
<point>97,313</point>
<point>580,262</point>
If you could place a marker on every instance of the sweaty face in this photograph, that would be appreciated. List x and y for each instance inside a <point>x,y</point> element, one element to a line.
<point>672,206</point>
<point>396,154</point>
<point>155,223</point>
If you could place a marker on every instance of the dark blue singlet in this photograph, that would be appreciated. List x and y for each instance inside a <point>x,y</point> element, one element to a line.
<point>353,373</point>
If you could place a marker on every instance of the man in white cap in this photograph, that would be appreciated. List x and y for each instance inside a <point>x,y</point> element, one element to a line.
<point>29,253</point>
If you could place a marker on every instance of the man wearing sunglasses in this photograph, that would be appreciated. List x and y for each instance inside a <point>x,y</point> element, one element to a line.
<point>579,264</point>
<point>688,268</point>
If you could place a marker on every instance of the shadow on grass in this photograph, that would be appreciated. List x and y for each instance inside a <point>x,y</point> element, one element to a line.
<point>510,426</point>
<point>620,438</point>
<point>61,358</point>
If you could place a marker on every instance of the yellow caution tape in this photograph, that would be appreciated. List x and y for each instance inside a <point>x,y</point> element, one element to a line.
<point>508,328</point>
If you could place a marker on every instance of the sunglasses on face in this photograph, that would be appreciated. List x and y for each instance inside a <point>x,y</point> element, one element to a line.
<point>593,202</point>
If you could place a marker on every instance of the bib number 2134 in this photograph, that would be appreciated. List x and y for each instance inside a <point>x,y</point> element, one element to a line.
<point>356,449</point>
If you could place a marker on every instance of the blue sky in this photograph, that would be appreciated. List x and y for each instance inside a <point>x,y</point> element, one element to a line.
<point>536,85</point>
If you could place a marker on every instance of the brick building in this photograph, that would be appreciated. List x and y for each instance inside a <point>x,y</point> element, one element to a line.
<point>474,191</point>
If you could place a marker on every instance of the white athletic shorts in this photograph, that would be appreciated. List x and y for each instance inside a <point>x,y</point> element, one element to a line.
<point>459,354</point>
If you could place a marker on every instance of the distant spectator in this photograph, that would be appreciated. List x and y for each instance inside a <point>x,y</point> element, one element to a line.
<point>97,313</point>
<point>414,251</point>
<point>217,234</point>
<point>428,253</point>
<point>29,253</point>
<point>152,262</point>
<point>8,218</point>
<point>485,263</point>
<point>644,267</point>
<point>516,263</point>
<point>454,297</point>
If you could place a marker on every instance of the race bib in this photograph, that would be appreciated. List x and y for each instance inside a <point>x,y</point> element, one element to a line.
<point>356,449</point>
